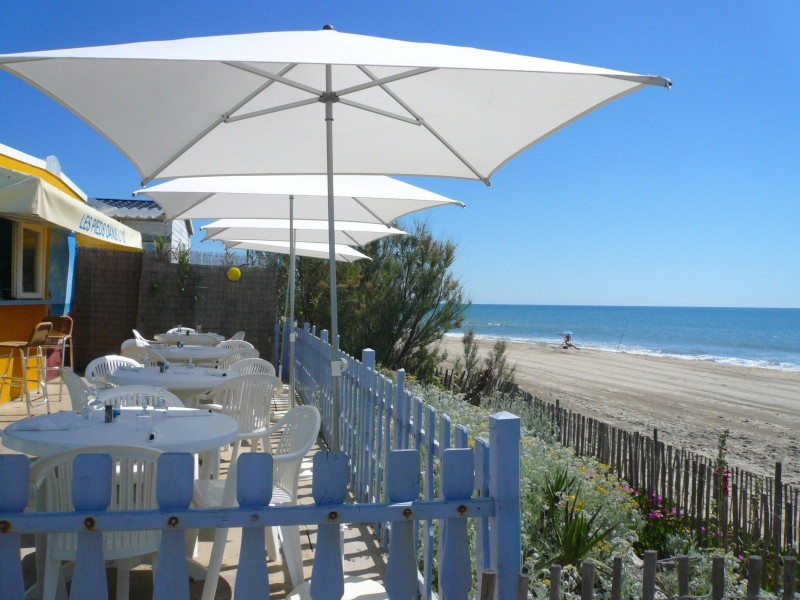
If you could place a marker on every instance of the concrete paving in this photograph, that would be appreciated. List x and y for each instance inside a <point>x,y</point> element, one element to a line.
<point>363,556</point>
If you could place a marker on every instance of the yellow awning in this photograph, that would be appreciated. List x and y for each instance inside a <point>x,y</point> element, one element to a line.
<point>28,198</point>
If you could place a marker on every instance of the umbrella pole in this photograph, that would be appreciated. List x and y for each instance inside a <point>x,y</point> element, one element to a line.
<point>335,364</point>
<point>292,335</point>
<point>283,323</point>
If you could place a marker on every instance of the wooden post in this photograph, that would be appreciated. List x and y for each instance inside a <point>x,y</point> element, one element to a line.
<point>488,585</point>
<point>587,580</point>
<point>683,577</point>
<point>717,578</point>
<point>616,579</point>
<point>555,582</point>
<point>753,577</point>
<point>776,524</point>
<point>523,585</point>
<point>649,575</point>
<point>789,576</point>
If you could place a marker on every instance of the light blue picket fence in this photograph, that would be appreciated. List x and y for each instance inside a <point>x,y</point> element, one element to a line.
<point>378,416</point>
<point>92,481</point>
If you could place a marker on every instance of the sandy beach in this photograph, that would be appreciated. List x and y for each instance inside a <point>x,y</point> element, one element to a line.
<point>689,402</point>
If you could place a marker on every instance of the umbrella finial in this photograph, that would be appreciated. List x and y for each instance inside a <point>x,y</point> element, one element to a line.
<point>328,27</point>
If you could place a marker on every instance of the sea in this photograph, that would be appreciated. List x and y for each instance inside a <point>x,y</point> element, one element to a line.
<point>752,337</point>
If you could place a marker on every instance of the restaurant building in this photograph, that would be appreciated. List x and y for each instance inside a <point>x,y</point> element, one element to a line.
<point>44,216</point>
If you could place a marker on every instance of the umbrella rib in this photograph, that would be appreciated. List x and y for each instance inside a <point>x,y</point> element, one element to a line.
<point>352,238</point>
<point>366,208</point>
<point>378,111</point>
<point>383,80</point>
<point>274,109</point>
<point>427,126</point>
<point>216,122</point>
<point>279,78</point>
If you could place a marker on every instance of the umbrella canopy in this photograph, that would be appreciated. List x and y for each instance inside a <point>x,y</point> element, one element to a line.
<point>341,252</point>
<point>264,104</point>
<point>255,103</point>
<point>565,333</point>
<point>358,234</point>
<point>357,199</point>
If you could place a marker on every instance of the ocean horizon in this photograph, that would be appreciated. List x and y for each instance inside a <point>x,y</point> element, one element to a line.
<point>751,337</point>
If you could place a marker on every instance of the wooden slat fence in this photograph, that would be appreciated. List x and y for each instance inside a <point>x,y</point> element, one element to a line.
<point>377,416</point>
<point>756,510</point>
<point>452,504</point>
<point>786,584</point>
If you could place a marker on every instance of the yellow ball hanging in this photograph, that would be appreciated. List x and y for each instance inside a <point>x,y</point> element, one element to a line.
<point>234,274</point>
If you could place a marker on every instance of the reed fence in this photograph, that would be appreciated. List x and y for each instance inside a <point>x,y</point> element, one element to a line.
<point>727,506</point>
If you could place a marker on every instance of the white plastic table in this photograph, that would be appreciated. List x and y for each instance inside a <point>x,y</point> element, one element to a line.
<point>174,430</point>
<point>195,353</point>
<point>186,338</point>
<point>181,380</point>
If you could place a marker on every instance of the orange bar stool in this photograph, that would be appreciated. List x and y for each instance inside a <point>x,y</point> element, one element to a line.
<point>59,339</point>
<point>33,348</point>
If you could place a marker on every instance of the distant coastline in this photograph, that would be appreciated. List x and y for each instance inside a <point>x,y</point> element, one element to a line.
<point>767,338</point>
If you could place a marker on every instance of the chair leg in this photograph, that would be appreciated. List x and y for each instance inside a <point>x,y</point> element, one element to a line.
<point>123,579</point>
<point>215,564</point>
<point>290,541</point>
<point>52,571</point>
<point>235,452</point>
<point>272,543</point>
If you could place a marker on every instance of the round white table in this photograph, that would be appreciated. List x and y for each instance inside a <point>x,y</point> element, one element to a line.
<point>186,338</point>
<point>174,430</point>
<point>183,381</point>
<point>195,353</point>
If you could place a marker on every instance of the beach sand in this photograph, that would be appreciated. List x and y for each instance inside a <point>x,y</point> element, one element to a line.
<point>690,402</point>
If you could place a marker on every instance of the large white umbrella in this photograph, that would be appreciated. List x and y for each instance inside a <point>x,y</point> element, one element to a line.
<point>256,104</point>
<point>341,252</point>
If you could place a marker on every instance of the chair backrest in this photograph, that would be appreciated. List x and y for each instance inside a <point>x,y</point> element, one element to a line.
<point>235,344</point>
<point>139,336</point>
<point>132,342</point>
<point>236,355</point>
<point>62,326</point>
<point>203,339</point>
<point>181,330</point>
<point>76,387</point>
<point>247,366</point>
<point>40,334</point>
<point>143,355</point>
<point>246,399</point>
<point>299,430</point>
<point>97,370</point>
<point>239,335</point>
<point>133,476</point>
<point>129,395</point>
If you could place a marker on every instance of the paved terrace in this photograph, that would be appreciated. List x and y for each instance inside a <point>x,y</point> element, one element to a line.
<point>361,552</point>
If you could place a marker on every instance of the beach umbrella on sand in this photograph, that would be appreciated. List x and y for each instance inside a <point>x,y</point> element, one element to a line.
<point>565,333</point>
<point>265,103</point>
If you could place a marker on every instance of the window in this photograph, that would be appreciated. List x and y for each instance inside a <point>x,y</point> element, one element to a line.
<point>29,259</point>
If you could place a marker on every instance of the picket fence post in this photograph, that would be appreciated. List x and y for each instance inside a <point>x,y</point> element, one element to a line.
<point>504,487</point>
<point>14,473</point>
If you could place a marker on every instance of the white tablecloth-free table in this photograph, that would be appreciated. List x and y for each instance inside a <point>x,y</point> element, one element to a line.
<point>181,380</point>
<point>186,338</point>
<point>196,353</point>
<point>174,430</point>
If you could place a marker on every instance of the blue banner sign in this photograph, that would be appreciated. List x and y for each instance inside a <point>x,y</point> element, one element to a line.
<point>101,229</point>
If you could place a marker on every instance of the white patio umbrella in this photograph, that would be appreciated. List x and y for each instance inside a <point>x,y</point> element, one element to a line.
<point>305,230</point>
<point>256,104</point>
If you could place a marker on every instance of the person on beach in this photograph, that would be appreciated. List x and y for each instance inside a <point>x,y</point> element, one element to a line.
<point>568,342</point>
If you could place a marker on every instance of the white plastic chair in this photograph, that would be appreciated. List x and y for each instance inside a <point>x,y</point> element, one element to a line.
<point>239,335</point>
<point>235,344</point>
<point>236,355</point>
<point>97,371</point>
<point>133,480</point>
<point>143,355</point>
<point>145,341</point>
<point>76,387</point>
<point>247,400</point>
<point>128,395</point>
<point>247,366</point>
<point>300,428</point>
<point>181,330</point>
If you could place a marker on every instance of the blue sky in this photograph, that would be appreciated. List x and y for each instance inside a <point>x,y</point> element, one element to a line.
<point>686,197</point>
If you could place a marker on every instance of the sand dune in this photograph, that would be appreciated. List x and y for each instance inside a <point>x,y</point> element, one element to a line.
<point>689,402</point>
